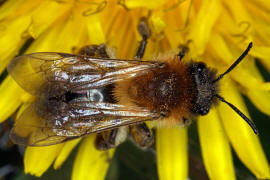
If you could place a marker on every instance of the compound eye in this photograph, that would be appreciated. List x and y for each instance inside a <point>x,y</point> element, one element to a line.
<point>200,67</point>
<point>203,111</point>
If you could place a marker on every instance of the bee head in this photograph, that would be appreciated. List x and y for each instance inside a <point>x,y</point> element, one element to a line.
<point>205,89</point>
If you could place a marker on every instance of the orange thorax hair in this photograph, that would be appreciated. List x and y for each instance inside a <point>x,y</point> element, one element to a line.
<point>167,90</point>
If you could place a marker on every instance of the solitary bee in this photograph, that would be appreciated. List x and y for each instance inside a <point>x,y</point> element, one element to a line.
<point>94,92</point>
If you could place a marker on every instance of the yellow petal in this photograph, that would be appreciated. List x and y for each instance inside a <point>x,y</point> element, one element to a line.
<point>11,97</point>
<point>238,10</point>
<point>141,3</point>
<point>221,49</point>
<point>216,150</point>
<point>15,8</point>
<point>21,109</point>
<point>246,73</point>
<point>172,155</point>
<point>121,34</point>
<point>65,151</point>
<point>91,15</point>
<point>177,19</point>
<point>244,141</point>
<point>158,23</point>
<point>95,30</point>
<point>262,4</point>
<point>90,163</point>
<point>263,53</point>
<point>63,37</point>
<point>202,26</point>
<point>13,28</point>
<point>259,23</point>
<point>260,99</point>
<point>9,7</point>
<point>44,15</point>
<point>38,159</point>
<point>257,27</point>
<point>12,38</point>
<point>249,81</point>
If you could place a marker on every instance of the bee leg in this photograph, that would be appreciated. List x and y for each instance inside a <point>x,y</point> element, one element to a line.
<point>145,33</point>
<point>142,135</point>
<point>186,121</point>
<point>108,157</point>
<point>184,50</point>
<point>98,51</point>
<point>110,139</point>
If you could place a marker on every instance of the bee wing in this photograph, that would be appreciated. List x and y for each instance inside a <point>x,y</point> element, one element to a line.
<point>29,128</point>
<point>44,73</point>
<point>37,128</point>
<point>73,72</point>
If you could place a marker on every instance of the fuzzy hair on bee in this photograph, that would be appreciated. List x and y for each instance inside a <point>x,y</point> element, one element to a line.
<point>167,90</point>
<point>93,92</point>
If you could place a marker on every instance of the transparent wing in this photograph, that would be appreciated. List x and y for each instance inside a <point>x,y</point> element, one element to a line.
<point>50,76</point>
<point>38,127</point>
<point>34,72</point>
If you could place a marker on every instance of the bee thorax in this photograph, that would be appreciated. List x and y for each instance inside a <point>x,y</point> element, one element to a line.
<point>161,90</point>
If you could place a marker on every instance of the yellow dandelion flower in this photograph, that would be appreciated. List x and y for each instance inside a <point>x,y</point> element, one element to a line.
<point>217,31</point>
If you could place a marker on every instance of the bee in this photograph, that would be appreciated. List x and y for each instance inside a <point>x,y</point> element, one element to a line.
<point>94,92</point>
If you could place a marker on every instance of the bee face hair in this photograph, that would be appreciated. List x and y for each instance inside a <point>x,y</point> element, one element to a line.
<point>206,86</point>
<point>205,89</point>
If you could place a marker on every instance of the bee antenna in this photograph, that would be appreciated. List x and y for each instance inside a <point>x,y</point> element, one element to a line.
<point>250,123</point>
<point>235,63</point>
